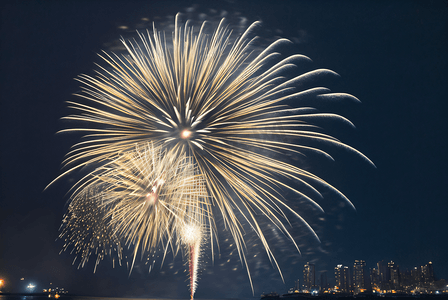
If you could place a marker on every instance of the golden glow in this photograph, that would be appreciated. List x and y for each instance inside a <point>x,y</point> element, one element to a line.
<point>185,134</point>
<point>191,234</point>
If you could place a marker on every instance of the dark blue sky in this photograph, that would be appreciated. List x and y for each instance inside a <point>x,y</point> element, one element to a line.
<point>392,55</point>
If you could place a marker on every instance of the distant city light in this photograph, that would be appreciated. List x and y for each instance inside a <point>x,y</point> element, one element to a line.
<point>31,287</point>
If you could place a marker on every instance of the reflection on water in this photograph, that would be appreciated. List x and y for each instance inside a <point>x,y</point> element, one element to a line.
<point>65,297</point>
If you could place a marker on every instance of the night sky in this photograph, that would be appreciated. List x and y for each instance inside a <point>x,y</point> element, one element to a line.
<point>392,55</point>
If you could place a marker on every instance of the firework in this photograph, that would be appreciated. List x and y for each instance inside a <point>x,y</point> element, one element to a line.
<point>149,197</point>
<point>213,107</point>
<point>145,196</point>
<point>85,230</point>
<point>191,237</point>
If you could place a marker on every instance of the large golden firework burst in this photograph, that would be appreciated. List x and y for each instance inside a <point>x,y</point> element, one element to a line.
<point>212,103</point>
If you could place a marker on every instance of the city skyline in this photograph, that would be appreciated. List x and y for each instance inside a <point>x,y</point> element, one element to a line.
<point>390,55</point>
<point>383,278</point>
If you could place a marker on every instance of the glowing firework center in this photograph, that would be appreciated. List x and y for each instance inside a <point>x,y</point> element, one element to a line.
<point>185,134</point>
<point>151,197</point>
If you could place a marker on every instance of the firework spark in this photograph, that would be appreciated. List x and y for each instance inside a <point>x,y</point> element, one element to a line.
<point>86,231</point>
<point>213,109</point>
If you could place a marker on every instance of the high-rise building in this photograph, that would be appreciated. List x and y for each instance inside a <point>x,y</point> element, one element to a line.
<point>394,273</point>
<point>405,279</point>
<point>383,275</point>
<point>297,285</point>
<point>428,273</point>
<point>309,276</point>
<point>342,276</point>
<point>375,279</point>
<point>323,280</point>
<point>416,275</point>
<point>359,277</point>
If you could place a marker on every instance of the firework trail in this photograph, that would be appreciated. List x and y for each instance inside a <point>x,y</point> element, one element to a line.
<point>192,236</point>
<point>213,109</point>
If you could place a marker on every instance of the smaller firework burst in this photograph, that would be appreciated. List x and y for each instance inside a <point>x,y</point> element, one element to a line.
<point>147,196</point>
